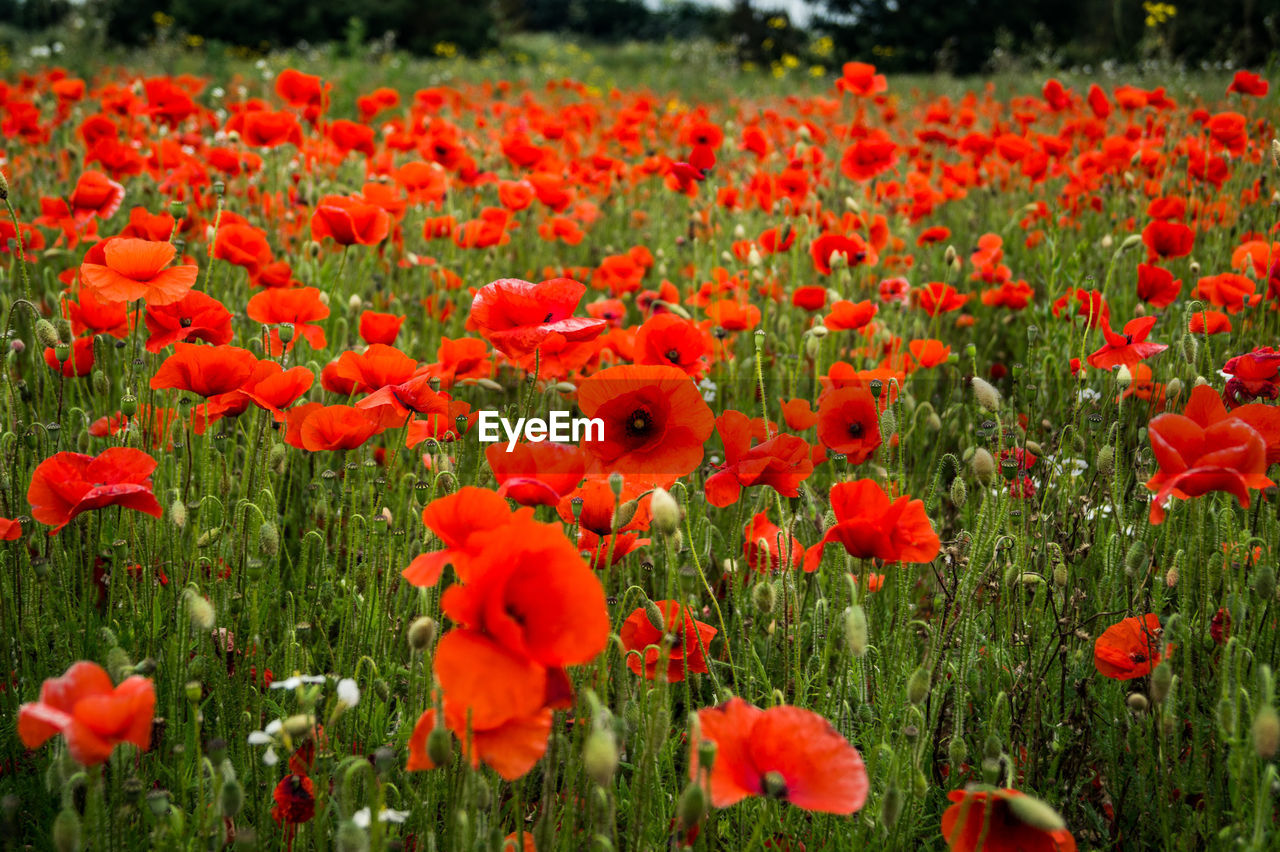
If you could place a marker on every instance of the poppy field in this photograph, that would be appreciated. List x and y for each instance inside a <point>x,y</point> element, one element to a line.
<point>484,456</point>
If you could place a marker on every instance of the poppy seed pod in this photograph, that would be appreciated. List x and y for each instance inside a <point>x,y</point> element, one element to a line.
<point>1266,732</point>
<point>986,394</point>
<point>422,632</point>
<point>128,405</point>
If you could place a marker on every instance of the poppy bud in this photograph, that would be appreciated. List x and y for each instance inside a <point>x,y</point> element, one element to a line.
<point>1131,241</point>
<point>200,611</point>
<point>439,746</point>
<point>651,612</point>
<point>1275,155</point>
<point>1266,732</point>
<point>957,752</point>
<point>1106,461</point>
<point>1264,582</point>
<point>178,513</point>
<point>192,690</point>
<point>1227,716</point>
<point>1107,240</point>
<point>299,726</point>
<point>986,394</point>
<point>891,805</point>
<point>983,464</point>
<point>1135,559</point>
<point>422,632</point>
<point>666,511</point>
<point>1137,702</point>
<point>232,798</point>
<point>4,186</point>
<point>765,597</point>
<point>600,756</point>
<point>269,539</point>
<point>959,493</point>
<point>855,631</point>
<point>918,685</point>
<point>888,422</point>
<point>66,831</point>
<point>692,806</point>
<point>625,513</point>
<point>1195,268</point>
<point>1035,813</point>
<point>118,663</point>
<point>1161,682</point>
<point>1190,347</point>
<point>46,334</point>
<point>707,755</point>
<point>1060,575</point>
<point>1171,577</point>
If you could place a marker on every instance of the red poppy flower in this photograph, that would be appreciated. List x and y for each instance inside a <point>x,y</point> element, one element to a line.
<point>1127,348</point>
<point>1209,322</point>
<point>683,642</point>
<point>393,405</point>
<point>849,423</point>
<point>536,474</point>
<point>300,90</point>
<point>929,353</point>
<point>595,506</point>
<point>784,752</point>
<point>136,269</point>
<point>860,78</point>
<point>465,358</point>
<point>10,530</point>
<point>377,367</point>
<point>782,462</point>
<point>1157,286</point>
<point>335,427</point>
<point>89,313</point>
<point>849,316</point>
<point>79,363</point>
<point>243,245</point>
<point>1129,649</point>
<point>1248,83</point>
<point>798,415</point>
<point>733,315</point>
<point>1090,304</point>
<point>349,221</point>
<point>380,328</point>
<point>66,484</point>
<point>937,298</point>
<point>92,715</point>
<point>205,370</point>
<point>765,547</point>
<point>455,519</point>
<point>1203,450</point>
<point>655,421</point>
<point>1254,375</point>
<point>196,316</point>
<point>518,317</point>
<point>852,248</point>
<point>264,128</point>
<point>668,339</point>
<point>870,525</point>
<point>95,194</point>
<point>989,821</point>
<point>1168,239</point>
<point>1228,290</point>
<point>295,800</point>
<point>869,157</point>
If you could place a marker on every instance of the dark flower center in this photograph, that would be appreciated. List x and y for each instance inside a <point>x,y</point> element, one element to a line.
<point>855,429</point>
<point>639,423</point>
<point>673,355</point>
<point>185,322</point>
<point>547,318</point>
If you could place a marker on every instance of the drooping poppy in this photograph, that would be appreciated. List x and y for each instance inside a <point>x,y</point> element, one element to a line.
<point>518,317</point>
<point>871,525</point>
<point>66,484</point>
<point>784,752</point>
<point>782,462</point>
<point>1128,649</point>
<point>92,715</point>
<point>138,269</point>
<point>683,642</point>
<point>991,821</point>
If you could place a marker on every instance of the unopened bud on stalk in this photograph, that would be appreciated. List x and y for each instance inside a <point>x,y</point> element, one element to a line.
<point>422,632</point>
<point>1135,559</point>
<point>178,513</point>
<point>665,510</point>
<point>66,831</point>
<point>4,186</point>
<point>1264,582</point>
<point>918,685</point>
<point>350,838</point>
<point>957,752</point>
<point>1275,154</point>
<point>1035,813</point>
<point>986,394</point>
<point>959,492</point>
<point>1106,461</point>
<point>1137,702</point>
<point>1161,682</point>
<point>765,597</point>
<point>200,611</point>
<point>1266,732</point>
<point>232,798</point>
<point>1131,241</point>
<point>692,806</point>
<point>46,334</point>
<point>949,257</point>
<point>856,633</point>
<point>269,539</point>
<point>891,805</point>
<point>439,746</point>
<point>983,464</point>
<point>600,756</point>
<point>1171,577</point>
<point>1189,347</point>
<point>1124,377</point>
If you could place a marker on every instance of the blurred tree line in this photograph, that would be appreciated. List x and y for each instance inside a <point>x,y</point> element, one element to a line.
<point>962,36</point>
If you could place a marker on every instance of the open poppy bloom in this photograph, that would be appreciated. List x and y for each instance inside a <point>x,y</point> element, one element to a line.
<point>295,800</point>
<point>138,269</point>
<point>655,421</point>
<point>196,316</point>
<point>668,339</point>
<point>849,423</point>
<point>1128,649</point>
<point>92,715</point>
<point>454,519</point>
<point>782,462</point>
<point>66,484</point>
<point>784,752</point>
<point>349,221</point>
<point>871,526</point>
<point>205,370</point>
<point>683,640</point>
<point>1254,375</point>
<point>1205,449</point>
<point>518,317</point>
<point>536,474</point>
<point>994,821</point>
<point>1128,347</point>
